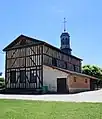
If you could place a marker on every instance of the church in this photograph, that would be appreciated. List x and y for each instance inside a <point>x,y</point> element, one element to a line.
<point>32,64</point>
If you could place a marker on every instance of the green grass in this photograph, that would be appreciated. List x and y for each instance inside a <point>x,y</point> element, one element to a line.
<point>18,109</point>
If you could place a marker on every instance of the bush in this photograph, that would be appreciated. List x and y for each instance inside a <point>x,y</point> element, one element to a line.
<point>2,83</point>
<point>1,79</point>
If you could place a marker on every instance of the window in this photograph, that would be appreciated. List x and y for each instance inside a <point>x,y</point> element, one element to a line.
<point>54,61</point>
<point>33,76</point>
<point>74,79</point>
<point>66,41</point>
<point>13,76</point>
<point>85,80</point>
<point>22,76</point>
<point>62,39</point>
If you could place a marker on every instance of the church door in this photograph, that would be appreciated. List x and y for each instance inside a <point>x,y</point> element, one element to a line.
<point>61,85</point>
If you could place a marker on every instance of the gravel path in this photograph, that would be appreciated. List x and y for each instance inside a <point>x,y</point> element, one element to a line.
<point>91,96</point>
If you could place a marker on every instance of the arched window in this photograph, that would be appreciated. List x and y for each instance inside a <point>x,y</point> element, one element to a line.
<point>66,41</point>
<point>62,41</point>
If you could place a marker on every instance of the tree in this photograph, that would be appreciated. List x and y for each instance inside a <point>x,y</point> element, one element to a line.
<point>92,71</point>
<point>2,83</point>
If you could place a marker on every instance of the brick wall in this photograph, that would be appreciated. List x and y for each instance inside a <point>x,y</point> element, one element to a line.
<point>78,83</point>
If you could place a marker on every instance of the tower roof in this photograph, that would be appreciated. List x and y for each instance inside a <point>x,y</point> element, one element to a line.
<point>65,34</point>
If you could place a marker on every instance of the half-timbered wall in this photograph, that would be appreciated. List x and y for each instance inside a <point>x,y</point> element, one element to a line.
<point>53,57</point>
<point>24,67</point>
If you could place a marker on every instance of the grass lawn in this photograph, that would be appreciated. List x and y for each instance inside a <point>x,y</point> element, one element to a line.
<point>18,109</point>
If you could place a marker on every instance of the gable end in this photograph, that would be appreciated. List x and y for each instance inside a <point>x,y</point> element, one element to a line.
<point>22,41</point>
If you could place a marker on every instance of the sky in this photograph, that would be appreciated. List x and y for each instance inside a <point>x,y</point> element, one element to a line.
<point>43,19</point>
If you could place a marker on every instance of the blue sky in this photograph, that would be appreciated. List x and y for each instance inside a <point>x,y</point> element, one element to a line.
<point>43,19</point>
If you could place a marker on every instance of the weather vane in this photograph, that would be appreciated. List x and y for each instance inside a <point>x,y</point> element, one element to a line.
<point>64,24</point>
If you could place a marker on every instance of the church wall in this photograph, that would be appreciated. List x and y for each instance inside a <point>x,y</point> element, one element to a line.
<point>62,60</point>
<point>29,61</point>
<point>78,83</point>
<point>50,76</point>
<point>25,55</point>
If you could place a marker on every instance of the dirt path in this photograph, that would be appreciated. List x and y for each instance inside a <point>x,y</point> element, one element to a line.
<point>92,96</point>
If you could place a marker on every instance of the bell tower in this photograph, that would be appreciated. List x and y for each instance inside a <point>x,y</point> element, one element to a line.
<point>65,41</point>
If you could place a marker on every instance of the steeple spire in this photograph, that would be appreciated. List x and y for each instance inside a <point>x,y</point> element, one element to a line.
<point>65,40</point>
<point>64,24</point>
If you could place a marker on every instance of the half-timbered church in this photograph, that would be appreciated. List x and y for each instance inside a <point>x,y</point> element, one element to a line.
<point>32,64</point>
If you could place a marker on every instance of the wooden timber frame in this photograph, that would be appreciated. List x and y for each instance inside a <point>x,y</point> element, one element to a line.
<point>24,67</point>
<point>24,62</point>
<point>55,57</point>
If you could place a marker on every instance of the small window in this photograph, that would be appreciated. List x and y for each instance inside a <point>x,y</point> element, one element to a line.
<point>66,41</point>
<point>33,76</point>
<point>85,80</point>
<point>63,39</point>
<point>74,79</point>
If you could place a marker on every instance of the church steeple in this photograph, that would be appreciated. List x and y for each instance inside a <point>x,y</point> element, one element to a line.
<point>65,40</point>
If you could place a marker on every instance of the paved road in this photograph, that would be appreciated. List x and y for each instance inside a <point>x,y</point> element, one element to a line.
<point>92,96</point>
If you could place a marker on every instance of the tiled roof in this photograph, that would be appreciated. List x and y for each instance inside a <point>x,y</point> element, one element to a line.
<point>72,72</point>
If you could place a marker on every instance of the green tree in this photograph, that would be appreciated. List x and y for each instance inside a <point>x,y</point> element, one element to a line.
<point>2,83</point>
<point>92,70</point>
